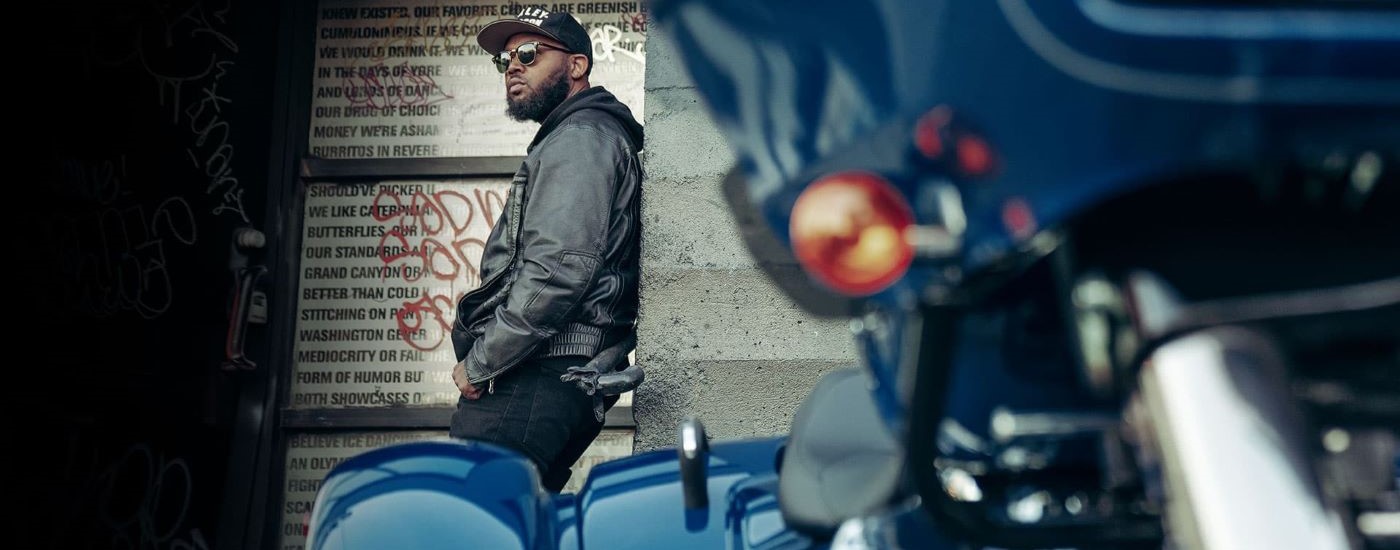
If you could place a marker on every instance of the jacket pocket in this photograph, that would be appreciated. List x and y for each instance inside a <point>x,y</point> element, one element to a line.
<point>555,301</point>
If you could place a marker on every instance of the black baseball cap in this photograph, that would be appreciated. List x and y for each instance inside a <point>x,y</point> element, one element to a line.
<point>557,25</point>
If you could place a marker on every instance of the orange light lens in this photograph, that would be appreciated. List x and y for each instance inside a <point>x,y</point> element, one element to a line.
<point>847,230</point>
<point>975,157</point>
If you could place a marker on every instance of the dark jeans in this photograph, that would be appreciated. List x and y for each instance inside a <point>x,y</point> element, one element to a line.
<point>531,411</point>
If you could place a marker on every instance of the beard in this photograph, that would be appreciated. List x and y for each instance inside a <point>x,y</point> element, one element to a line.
<point>537,106</point>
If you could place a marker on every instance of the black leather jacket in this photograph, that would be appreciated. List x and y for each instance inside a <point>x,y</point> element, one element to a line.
<point>559,272</point>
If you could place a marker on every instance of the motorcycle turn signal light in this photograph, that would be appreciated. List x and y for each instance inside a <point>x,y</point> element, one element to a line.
<point>848,231</point>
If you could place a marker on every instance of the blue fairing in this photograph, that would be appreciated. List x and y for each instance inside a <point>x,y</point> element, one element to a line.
<point>433,494</point>
<point>450,493</point>
<point>1080,100</point>
<point>637,501</point>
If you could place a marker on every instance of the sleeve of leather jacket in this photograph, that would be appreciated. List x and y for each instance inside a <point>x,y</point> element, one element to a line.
<point>562,239</point>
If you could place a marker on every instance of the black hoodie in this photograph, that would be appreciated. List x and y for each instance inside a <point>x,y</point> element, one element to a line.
<point>559,271</point>
<point>592,98</point>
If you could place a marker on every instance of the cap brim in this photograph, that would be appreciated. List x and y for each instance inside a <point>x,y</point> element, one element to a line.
<point>493,37</point>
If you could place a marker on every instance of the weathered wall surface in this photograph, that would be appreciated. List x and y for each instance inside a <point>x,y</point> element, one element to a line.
<point>717,339</point>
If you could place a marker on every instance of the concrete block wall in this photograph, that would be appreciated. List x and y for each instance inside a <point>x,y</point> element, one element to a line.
<point>716,338</point>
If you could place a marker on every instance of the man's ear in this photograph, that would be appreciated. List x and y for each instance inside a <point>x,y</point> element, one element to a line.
<point>578,66</point>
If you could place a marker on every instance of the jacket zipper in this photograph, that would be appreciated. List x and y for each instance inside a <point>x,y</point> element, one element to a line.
<point>519,211</point>
<point>514,251</point>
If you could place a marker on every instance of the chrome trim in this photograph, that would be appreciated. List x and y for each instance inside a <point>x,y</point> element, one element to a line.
<point>690,443</point>
<point>1379,524</point>
<point>1233,445</point>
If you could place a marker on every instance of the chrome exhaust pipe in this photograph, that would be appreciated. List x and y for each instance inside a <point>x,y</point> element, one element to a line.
<point>1235,454</point>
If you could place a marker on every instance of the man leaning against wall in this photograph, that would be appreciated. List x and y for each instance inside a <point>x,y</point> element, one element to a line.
<point>560,268</point>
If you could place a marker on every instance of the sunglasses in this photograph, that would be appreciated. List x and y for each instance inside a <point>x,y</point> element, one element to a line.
<point>525,53</point>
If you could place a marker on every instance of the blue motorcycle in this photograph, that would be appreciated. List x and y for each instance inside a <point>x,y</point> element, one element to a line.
<point>1122,274</point>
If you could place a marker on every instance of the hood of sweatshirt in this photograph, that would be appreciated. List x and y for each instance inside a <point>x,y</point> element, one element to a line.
<point>593,98</point>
